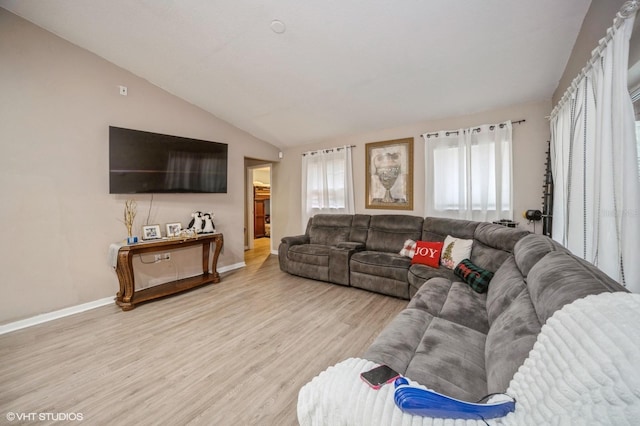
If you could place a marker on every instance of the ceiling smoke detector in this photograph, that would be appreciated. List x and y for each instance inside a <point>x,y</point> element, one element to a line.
<point>278,27</point>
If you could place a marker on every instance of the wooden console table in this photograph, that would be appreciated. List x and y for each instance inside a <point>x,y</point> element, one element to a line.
<point>128,297</point>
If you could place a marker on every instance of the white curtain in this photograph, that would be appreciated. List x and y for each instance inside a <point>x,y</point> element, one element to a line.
<point>596,204</point>
<point>468,173</point>
<point>327,183</point>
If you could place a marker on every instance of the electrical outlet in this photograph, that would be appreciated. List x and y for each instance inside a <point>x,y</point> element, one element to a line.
<point>166,256</point>
<point>157,258</point>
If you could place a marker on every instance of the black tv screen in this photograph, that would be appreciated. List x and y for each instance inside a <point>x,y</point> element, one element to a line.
<point>145,162</point>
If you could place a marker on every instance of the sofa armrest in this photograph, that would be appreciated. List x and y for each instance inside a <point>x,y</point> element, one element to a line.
<point>295,240</point>
<point>285,244</point>
<point>339,258</point>
<point>351,245</point>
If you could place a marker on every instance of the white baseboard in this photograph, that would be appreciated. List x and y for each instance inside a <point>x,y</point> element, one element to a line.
<point>50,316</point>
<point>231,267</point>
<point>61,313</point>
<point>274,252</point>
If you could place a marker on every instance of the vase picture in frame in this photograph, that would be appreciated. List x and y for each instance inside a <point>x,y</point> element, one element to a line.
<point>389,175</point>
<point>173,229</point>
<point>151,232</point>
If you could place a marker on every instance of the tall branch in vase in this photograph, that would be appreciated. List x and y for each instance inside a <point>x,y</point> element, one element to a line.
<point>130,210</point>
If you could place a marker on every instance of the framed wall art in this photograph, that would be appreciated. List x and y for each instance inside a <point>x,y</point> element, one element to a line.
<point>173,229</point>
<point>151,232</point>
<point>389,175</point>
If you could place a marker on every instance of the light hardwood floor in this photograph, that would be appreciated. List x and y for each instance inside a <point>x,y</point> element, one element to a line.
<point>233,353</point>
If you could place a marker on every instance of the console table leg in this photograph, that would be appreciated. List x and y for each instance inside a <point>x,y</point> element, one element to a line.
<point>124,269</point>
<point>216,254</point>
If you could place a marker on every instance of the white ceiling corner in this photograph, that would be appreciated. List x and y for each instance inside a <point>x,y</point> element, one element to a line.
<point>341,67</point>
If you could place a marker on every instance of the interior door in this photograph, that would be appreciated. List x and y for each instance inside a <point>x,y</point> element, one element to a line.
<point>258,218</point>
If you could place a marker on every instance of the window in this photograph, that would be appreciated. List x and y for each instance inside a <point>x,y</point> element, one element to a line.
<point>468,173</point>
<point>327,182</point>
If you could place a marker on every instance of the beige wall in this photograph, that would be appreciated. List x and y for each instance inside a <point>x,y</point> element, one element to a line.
<point>57,216</point>
<point>529,148</point>
<point>594,27</point>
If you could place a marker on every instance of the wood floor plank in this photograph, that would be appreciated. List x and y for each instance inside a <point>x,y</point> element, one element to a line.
<point>232,353</point>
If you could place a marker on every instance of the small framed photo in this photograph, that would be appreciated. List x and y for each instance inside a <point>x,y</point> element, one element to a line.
<point>151,232</point>
<point>173,229</point>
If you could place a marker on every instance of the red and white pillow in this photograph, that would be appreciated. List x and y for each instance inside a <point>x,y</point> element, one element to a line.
<point>434,253</point>
<point>408,249</point>
<point>428,253</point>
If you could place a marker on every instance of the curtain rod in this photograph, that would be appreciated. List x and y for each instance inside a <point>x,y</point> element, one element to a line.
<point>327,150</point>
<point>477,129</point>
<point>628,10</point>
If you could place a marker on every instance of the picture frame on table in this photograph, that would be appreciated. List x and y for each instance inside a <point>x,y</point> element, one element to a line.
<point>151,232</point>
<point>173,229</point>
<point>389,174</point>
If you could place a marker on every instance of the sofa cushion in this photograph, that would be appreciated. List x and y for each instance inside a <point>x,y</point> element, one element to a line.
<point>388,265</point>
<point>506,285</point>
<point>465,307</point>
<point>477,278</point>
<point>454,251</point>
<point>380,285</point>
<point>530,249</point>
<point>330,229</point>
<point>442,355</point>
<point>431,296</point>
<point>419,274</point>
<point>450,360</point>
<point>560,278</point>
<point>454,301</point>
<point>493,244</point>
<point>396,345</point>
<point>360,228</point>
<point>387,233</point>
<point>509,341</point>
<point>437,228</point>
<point>427,253</point>
<point>312,254</point>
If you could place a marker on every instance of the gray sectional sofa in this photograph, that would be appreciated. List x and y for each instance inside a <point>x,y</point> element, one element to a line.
<point>363,250</point>
<point>449,338</point>
<point>467,344</point>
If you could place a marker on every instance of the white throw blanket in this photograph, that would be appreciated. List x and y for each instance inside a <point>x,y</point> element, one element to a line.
<point>583,369</point>
<point>113,254</point>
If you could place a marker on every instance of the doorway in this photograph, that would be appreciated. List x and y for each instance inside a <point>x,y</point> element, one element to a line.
<point>258,208</point>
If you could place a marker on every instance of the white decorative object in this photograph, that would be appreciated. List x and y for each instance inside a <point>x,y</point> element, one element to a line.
<point>196,222</point>
<point>209,227</point>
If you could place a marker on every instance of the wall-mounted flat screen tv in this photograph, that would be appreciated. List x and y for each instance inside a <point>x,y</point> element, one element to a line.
<point>145,162</point>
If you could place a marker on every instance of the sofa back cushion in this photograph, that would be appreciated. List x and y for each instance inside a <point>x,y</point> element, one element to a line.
<point>437,229</point>
<point>493,244</point>
<point>507,283</point>
<point>509,341</point>
<point>530,249</point>
<point>329,229</point>
<point>387,233</point>
<point>360,228</point>
<point>560,278</point>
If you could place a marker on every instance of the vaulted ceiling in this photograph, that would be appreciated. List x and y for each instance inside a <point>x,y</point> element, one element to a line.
<point>327,68</point>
